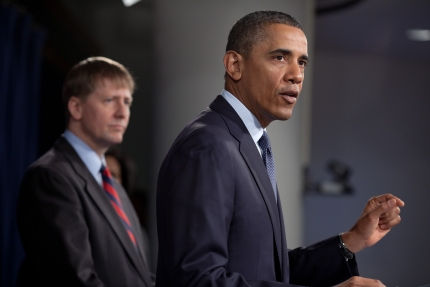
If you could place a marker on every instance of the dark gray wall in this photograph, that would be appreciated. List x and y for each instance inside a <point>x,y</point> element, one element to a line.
<point>125,35</point>
<point>373,113</point>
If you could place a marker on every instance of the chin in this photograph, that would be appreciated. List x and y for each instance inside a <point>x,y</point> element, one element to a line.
<point>118,141</point>
<point>284,116</point>
<point>115,140</point>
<point>287,113</point>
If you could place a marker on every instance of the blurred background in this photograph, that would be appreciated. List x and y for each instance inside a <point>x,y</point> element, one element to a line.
<point>361,127</point>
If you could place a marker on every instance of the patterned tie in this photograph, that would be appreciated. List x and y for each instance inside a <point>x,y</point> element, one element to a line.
<point>266,154</point>
<point>116,202</point>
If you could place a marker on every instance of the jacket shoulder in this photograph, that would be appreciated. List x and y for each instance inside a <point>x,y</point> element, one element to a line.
<point>53,159</point>
<point>55,165</point>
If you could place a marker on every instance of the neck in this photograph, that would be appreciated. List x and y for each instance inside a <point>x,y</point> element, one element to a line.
<point>233,89</point>
<point>100,151</point>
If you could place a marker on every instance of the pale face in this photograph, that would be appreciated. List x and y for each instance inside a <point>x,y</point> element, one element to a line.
<point>101,119</point>
<point>271,76</point>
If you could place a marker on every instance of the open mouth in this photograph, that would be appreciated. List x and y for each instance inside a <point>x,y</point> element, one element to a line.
<point>290,96</point>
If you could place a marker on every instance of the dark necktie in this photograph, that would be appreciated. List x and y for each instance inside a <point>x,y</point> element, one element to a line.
<point>116,202</point>
<point>266,154</point>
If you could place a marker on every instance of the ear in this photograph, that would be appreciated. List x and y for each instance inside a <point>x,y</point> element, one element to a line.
<point>232,64</point>
<point>75,108</point>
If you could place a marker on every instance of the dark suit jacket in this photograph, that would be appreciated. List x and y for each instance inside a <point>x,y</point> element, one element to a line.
<point>71,234</point>
<point>218,220</point>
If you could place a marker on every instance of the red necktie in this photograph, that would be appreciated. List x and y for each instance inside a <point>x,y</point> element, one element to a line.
<point>116,202</point>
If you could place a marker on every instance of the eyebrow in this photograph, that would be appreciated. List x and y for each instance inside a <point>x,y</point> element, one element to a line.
<point>288,52</point>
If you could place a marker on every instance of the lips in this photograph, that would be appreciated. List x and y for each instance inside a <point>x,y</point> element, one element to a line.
<point>118,127</point>
<point>290,96</point>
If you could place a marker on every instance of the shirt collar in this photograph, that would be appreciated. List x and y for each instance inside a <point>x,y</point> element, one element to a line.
<point>90,158</point>
<point>251,123</point>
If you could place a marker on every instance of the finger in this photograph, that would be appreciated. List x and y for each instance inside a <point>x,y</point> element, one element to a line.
<point>390,215</point>
<point>381,209</point>
<point>385,197</point>
<point>357,281</point>
<point>391,223</point>
<point>376,201</point>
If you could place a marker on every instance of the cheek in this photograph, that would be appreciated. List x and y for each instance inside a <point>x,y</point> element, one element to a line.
<point>98,121</point>
<point>91,113</point>
<point>127,115</point>
<point>89,118</point>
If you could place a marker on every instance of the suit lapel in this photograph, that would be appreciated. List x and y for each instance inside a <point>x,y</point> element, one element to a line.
<point>258,170</point>
<point>254,161</point>
<point>97,193</point>
<point>129,209</point>
<point>285,268</point>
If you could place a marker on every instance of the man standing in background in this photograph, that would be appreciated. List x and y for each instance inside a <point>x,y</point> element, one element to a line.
<point>77,225</point>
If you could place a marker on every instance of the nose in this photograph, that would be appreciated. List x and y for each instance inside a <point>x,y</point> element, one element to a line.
<point>295,73</point>
<point>122,110</point>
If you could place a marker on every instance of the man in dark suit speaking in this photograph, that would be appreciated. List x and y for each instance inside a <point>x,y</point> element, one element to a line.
<point>219,218</point>
<point>77,225</point>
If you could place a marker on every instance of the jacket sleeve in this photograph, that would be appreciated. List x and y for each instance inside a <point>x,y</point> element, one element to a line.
<point>321,264</point>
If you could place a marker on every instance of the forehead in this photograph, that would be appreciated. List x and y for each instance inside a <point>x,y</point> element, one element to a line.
<point>106,85</point>
<point>282,36</point>
<point>116,83</point>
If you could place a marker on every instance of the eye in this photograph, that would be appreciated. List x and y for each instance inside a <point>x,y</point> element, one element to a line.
<point>128,102</point>
<point>279,58</point>
<point>303,63</point>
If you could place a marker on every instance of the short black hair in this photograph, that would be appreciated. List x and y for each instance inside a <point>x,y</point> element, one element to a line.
<point>249,30</point>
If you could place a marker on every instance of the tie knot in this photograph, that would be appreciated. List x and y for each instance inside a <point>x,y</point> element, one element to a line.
<point>105,171</point>
<point>264,141</point>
